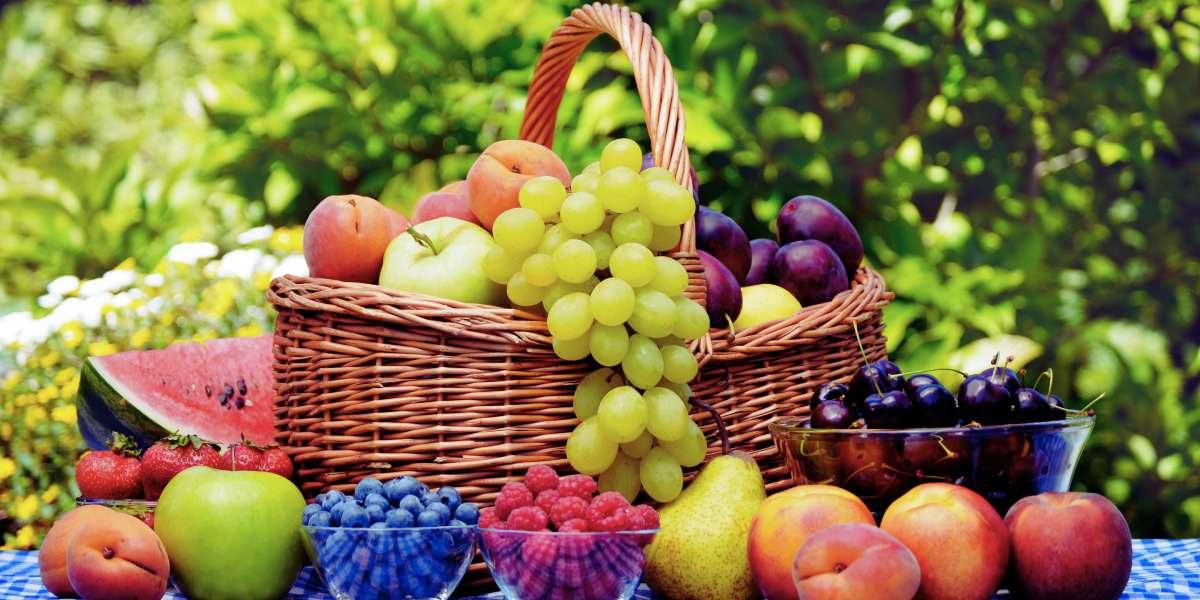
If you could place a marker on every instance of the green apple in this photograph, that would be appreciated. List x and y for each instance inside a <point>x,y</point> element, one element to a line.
<point>231,534</point>
<point>443,258</point>
<point>765,302</point>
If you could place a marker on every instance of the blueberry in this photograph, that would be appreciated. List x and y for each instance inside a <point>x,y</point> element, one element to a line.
<point>366,487</point>
<point>321,519</point>
<point>377,500</point>
<point>430,518</point>
<point>428,497</point>
<point>468,513</point>
<point>340,508</point>
<point>309,511</point>
<point>355,516</point>
<point>396,489</point>
<point>442,510</point>
<point>332,499</point>
<point>400,518</point>
<point>412,504</point>
<point>449,496</point>
<point>376,514</point>
<point>320,499</point>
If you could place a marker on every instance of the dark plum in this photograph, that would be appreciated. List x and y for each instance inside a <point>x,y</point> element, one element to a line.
<point>762,251</point>
<point>723,238</point>
<point>890,410</point>
<point>810,270</point>
<point>1033,406</point>
<point>829,391</point>
<point>934,406</point>
<point>1003,376</point>
<point>984,402</point>
<point>832,414</point>
<point>648,161</point>
<point>723,294</point>
<point>811,218</point>
<point>919,380</point>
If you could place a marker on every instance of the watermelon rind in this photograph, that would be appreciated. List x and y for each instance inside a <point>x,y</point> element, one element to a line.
<point>102,409</point>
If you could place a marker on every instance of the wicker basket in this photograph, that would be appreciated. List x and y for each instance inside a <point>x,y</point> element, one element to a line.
<point>374,382</point>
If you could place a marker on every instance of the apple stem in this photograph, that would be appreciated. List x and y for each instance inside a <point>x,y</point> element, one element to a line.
<point>422,239</point>
<point>863,350</point>
<point>716,415</point>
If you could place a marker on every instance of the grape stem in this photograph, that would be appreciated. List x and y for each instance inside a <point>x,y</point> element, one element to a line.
<point>422,239</point>
<point>716,415</point>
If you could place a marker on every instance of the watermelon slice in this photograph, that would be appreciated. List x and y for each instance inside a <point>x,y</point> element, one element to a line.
<point>219,390</point>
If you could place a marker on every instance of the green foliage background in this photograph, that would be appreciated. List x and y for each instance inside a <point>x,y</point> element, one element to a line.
<point>1023,168</point>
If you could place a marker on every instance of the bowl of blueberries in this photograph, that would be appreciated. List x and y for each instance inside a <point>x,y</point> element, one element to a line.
<point>885,432</point>
<point>397,539</point>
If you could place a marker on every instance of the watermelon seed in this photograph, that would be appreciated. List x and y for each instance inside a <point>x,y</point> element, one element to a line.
<point>241,402</point>
<point>208,390</point>
<point>241,383</point>
<point>229,391</point>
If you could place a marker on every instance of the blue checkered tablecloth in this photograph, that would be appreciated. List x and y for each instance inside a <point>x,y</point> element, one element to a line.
<point>1162,569</point>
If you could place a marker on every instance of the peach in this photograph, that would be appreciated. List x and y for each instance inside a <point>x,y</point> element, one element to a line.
<point>959,539</point>
<point>443,204</point>
<point>52,560</point>
<point>345,238</point>
<point>785,521</point>
<point>397,222</point>
<point>855,562</point>
<point>116,558</point>
<point>1069,545</point>
<point>455,187</point>
<point>498,174</point>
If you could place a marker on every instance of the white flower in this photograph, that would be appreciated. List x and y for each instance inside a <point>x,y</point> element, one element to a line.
<point>11,326</point>
<point>257,234</point>
<point>112,281</point>
<point>49,300</point>
<point>190,252</point>
<point>241,263</point>
<point>293,264</point>
<point>153,280</point>
<point>63,285</point>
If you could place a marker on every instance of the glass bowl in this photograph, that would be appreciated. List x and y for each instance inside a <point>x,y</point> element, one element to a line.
<point>1003,463</point>
<point>142,509</point>
<point>549,565</point>
<point>390,562</point>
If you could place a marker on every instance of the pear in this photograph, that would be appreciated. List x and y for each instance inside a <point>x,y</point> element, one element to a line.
<point>700,550</point>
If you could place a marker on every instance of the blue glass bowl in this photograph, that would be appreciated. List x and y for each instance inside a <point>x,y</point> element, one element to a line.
<point>548,565</point>
<point>395,562</point>
<point>1002,463</point>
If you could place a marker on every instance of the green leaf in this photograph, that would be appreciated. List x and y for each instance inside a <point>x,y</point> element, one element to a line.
<point>1117,13</point>
<point>977,355</point>
<point>280,189</point>
<point>306,99</point>
<point>908,153</point>
<point>1143,450</point>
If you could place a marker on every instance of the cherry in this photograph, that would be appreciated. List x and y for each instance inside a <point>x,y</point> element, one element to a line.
<point>919,380</point>
<point>872,379</point>
<point>829,391</point>
<point>940,457</point>
<point>934,406</point>
<point>889,410</point>
<point>832,414</point>
<point>985,402</point>
<point>1033,406</point>
<point>1003,376</point>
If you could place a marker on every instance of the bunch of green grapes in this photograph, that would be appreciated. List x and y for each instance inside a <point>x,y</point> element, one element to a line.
<point>589,258</point>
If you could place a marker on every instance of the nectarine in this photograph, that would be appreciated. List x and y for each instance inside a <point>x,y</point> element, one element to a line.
<point>495,179</point>
<point>52,560</point>
<point>345,238</point>
<point>1069,545</point>
<point>958,538</point>
<point>443,204</point>
<point>785,521</point>
<point>117,558</point>
<point>855,562</point>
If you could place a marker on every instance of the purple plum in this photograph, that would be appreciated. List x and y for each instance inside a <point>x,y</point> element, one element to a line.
<point>723,296</point>
<point>648,161</point>
<point>722,237</point>
<point>810,270</point>
<point>762,251</point>
<point>811,218</point>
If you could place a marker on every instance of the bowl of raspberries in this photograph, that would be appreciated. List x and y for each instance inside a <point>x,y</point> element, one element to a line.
<point>555,537</point>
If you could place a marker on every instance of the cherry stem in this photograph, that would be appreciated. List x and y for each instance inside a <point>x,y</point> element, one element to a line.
<point>1089,404</point>
<point>716,415</point>
<point>863,350</point>
<point>422,239</point>
<point>919,371</point>
<point>1050,386</point>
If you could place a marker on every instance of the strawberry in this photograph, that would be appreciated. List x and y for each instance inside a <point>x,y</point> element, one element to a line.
<point>170,455</point>
<point>240,457</point>
<point>113,474</point>
<point>276,461</point>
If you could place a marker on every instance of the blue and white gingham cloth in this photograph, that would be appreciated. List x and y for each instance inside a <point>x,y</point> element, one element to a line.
<point>1162,570</point>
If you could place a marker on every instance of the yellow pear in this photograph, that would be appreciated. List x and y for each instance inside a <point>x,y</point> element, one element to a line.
<point>700,550</point>
<point>765,302</point>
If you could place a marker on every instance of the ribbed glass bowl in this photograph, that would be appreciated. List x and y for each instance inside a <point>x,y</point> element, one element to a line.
<point>142,509</point>
<point>1003,463</point>
<point>547,565</point>
<point>395,562</point>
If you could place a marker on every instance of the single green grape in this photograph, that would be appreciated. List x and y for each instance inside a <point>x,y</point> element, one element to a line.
<point>622,414</point>
<point>538,269</point>
<point>670,277</point>
<point>582,213</point>
<point>661,476</point>
<point>591,390</point>
<point>561,288</point>
<point>624,477</point>
<point>588,450</point>
<point>574,261</point>
<point>500,265</point>
<point>621,190</point>
<point>573,349</point>
<point>586,182</point>
<point>688,450</point>
<point>592,168</point>
<point>653,313</point>
<point>603,245</point>
<point>681,389</point>
<point>667,417</point>
<point>570,317</point>
<point>667,203</point>
<point>543,195</point>
<point>643,364</point>
<point>523,293</point>
<point>555,235</point>
<point>632,228</point>
<point>608,343</point>
<point>691,320</point>
<point>679,364</point>
<point>639,447</point>
<point>621,153</point>
<point>612,301</point>
<point>518,230</point>
<point>657,174</point>
<point>665,237</point>
<point>632,262</point>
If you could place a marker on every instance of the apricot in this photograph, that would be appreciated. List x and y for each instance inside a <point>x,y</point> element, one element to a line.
<point>117,558</point>
<point>785,521</point>
<point>959,540</point>
<point>495,179</point>
<point>443,204</point>
<point>1069,545</point>
<point>855,562</point>
<point>52,559</point>
<point>345,237</point>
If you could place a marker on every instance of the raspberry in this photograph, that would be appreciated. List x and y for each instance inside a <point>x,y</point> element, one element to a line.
<point>577,485</point>
<point>618,521</point>
<point>567,508</point>
<point>647,515</point>
<point>634,517</point>
<point>512,496</point>
<point>489,519</point>
<point>527,518</point>
<point>539,551</point>
<point>540,478</point>
<point>574,525</point>
<point>546,499</point>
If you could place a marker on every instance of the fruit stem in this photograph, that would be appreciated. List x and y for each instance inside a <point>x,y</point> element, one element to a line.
<point>863,350</point>
<point>422,239</point>
<point>1089,404</point>
<point>919,371</point>
<point>716,415</point>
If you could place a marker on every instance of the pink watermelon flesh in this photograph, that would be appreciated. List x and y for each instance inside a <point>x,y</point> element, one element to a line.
<point>220,390</point>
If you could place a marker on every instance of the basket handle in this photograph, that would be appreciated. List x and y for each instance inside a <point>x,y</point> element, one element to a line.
<point>651,70</point>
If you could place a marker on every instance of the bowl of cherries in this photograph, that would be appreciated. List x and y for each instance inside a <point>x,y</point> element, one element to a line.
<point>885,432</point>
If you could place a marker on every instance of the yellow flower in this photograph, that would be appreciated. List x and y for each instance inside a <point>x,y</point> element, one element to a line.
<point>7,467</point>
<point>250,330</point>
<point>194,234</point>
<point>140,338</point>
<point>101,348</point>
<point>5,433</point>
<point>48,393</point>
<point>167,318</point>
<point>34,416</point>
<point>12,380</point>
<point>218,299</point>
<point>51,494</point>
<point>70,388</point>
<point>126,265</point>
<point>288,239</point>
<point>26,507</point>
<point>204,335</point>
<point>25,399</point>
<point>262,280</point>
<point>50,359</point>
<point>64,414</point>
<point>72,335</point>
<point>26,537</point>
